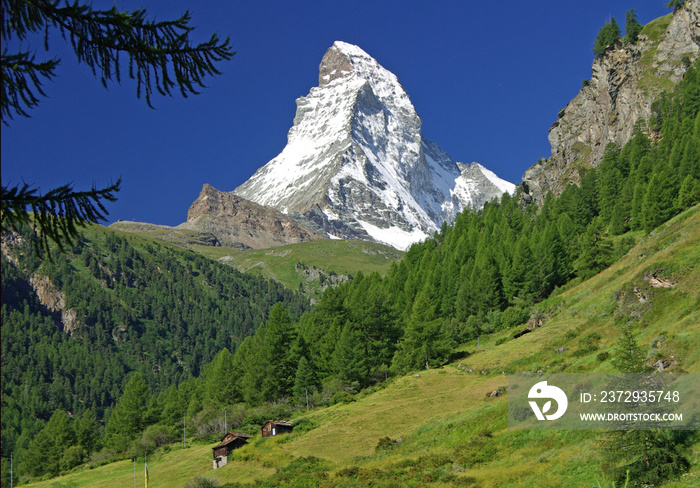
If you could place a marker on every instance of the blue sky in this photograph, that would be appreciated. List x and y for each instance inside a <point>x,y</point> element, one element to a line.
<point>487,79</point>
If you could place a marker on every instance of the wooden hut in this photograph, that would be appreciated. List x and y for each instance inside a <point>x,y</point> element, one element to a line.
<point>231,441</point>
<point>276,427</point>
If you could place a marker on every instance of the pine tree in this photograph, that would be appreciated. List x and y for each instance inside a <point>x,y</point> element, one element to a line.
<point>350,361</point>
<point>610,183</point>
<point>628,356</point>
<point>251,360</point>
<point>553,268</point>
<point>689,194</point>
<point>281,366</point>
<point>607,36</point>
<point>657,206</point>
<point>569,233</point>
<point>56,215</point>
<point>649,456</point>
<point>596,250</point>
<point>520,281</point>
<point>87,431</point>
<point>636,216</point>
<point>220,380</point>
<point>485,285</point>
<point>622,213</point>
<point>128,418</point>
<point>675,4</point>
<point>374,317</point>
<point>425,343</point>
<point>632,27</point>
<point>53,440</point>
<point>160,54</point>
<point>305,380</point>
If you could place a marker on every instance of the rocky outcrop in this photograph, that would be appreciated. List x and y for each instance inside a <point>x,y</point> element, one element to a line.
<point>49,296</point>
<point>626,80</point>
<point>236,222</point>
<point>55,301</point>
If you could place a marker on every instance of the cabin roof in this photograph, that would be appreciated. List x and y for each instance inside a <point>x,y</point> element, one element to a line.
<point>231,437</point>
<point>278,422</point>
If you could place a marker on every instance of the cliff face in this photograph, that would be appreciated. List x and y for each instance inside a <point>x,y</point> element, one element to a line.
<point>625,81</point>
<point>48,294</point>
<point>236,221</point>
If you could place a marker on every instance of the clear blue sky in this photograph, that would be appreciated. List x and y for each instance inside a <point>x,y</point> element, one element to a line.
<point>487,78</point>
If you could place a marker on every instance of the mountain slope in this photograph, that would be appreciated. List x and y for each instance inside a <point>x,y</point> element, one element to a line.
<point>452,432</point>
<point>75,328</point>
<point>625,81</point>
<point>356,164</point>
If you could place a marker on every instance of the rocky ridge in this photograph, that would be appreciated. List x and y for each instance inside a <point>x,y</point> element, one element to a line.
<point>237,222</point>
<point>625,81</point>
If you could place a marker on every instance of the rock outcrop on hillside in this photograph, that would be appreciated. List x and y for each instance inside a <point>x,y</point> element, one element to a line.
<point>237,222</point>
<point>626,80</point>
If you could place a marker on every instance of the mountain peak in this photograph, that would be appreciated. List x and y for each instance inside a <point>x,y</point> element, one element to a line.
<point>356,164</point>
<point>336,63</point>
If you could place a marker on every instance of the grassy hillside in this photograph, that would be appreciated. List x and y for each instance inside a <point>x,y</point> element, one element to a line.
<point>307,266</point>
<point>451,432</point>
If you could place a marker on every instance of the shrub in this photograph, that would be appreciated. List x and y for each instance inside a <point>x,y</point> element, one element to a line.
<point>304,425</point>
<point>585,350</point>
<point>160,435</point>
<point>342,397</point>
<point>480,449</point>
<point>350,472</point>
<point>202,482</point>
<point>655,342</point>
<point>72,457</point>
<point>385,444</point>
<point>590,338</point>
<point>513,316</point>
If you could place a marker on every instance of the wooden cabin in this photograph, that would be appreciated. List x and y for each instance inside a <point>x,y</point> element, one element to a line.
<point>231,441</point>
<point>276,427</point>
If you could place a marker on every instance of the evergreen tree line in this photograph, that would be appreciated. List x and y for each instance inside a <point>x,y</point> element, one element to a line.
<point>481,274</point>
<point>138,307</point>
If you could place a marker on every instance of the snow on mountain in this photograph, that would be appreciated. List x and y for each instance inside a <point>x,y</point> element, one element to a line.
<point>356,164</point>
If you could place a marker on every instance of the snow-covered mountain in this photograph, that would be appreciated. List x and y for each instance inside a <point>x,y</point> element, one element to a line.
<point>357,166</point>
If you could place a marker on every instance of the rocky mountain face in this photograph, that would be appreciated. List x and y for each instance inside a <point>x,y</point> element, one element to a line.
<point>626,80</point>
<point>357,166</point>
<point>237,222</point>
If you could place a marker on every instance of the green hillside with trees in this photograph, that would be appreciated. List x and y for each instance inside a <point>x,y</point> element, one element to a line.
<point>116,346</point>
<point>445,426</point>
<point>489,272</point>
<point>135,306</point>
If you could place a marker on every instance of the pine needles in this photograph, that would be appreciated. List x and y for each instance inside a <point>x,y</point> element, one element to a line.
<point>55,216</point>
<point>161,56</point>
